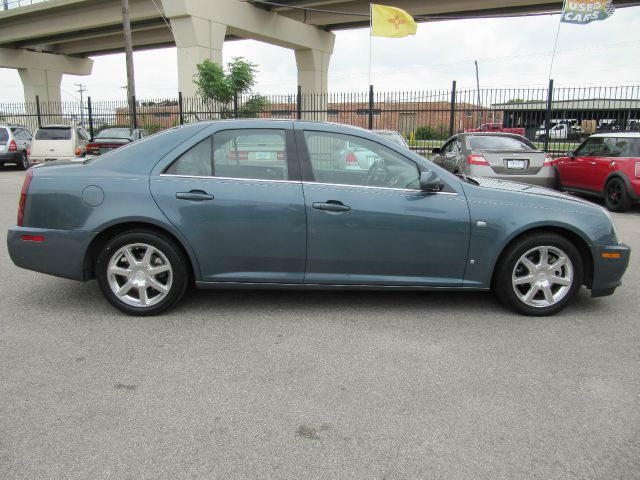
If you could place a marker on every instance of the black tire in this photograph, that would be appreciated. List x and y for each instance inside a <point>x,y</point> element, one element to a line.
<point>23,164</point>
<point>164,251</point>
<point>511,269</point>
<point>616,197</point>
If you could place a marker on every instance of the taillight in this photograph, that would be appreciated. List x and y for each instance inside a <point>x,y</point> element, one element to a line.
<point>12,146</point>
<point>78,151</point>
<point>23,197</point>
<point>29,152</point>
<point>351,159</point>
<point>92,147</point>
<point>548,160</point>
<point>477,160</point>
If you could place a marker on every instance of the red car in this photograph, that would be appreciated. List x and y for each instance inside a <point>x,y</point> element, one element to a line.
<point>606,165</point>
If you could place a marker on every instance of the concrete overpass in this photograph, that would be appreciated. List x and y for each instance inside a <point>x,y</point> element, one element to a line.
<point>46,40</point>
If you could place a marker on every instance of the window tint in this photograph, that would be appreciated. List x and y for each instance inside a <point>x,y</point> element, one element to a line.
<point>194,162</point>
<point>4,135</point>
<point>114,133</point>
<point>610,147</point>
<point>349,160</point>
<point>494,142</point>
<point>54,133</point>
<point>255,153</point>
<point>622,147</point>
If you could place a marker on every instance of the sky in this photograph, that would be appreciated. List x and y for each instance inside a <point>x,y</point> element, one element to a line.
<point>511,52</point>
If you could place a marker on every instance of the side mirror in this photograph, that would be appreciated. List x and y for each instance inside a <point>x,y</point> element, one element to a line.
<point>430,182</point>
<point>436,151</point>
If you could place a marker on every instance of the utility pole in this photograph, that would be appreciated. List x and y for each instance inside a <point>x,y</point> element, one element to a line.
<point>81,90</point>
<point>128,50</point>
<point>479,101</point>
<point>6,4</point>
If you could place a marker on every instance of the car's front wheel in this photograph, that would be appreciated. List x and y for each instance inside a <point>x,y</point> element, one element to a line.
<point>616,197</point>
<point>539,274</point>
<point>142,272</point>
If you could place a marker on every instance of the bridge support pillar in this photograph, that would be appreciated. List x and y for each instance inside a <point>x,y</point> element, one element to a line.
<point>313,68</point>
<point>197,39</point>
<point>44,84</point>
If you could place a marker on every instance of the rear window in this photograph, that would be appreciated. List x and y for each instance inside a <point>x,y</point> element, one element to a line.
<point>488,142</point>
<point>4,135</point>
<point>115,133</point>
<point>54,133</point>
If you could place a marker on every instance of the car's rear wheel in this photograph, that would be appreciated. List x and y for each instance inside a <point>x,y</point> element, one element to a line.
<point>539,274</point>
<point>142,272</point>
<point>616,197</point>
<point>23,164</point>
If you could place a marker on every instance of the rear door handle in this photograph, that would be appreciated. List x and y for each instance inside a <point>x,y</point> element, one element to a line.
<point>197,195</point>
<point>331,206</point>
<point>593,163</point>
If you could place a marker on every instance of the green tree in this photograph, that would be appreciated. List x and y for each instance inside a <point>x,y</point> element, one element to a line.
<point>220,86</point>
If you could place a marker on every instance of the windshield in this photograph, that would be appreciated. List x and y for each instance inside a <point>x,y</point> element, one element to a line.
<point>54,133</point>
<point>489,142</point>
<point>115,133</point>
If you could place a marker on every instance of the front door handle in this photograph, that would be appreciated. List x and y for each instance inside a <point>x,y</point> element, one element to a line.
<point>331,206</point>
<point>197,195</point>
<point>593,163</point>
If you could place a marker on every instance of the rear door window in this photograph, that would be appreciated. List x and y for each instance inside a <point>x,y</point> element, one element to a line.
<point>54,133</point>
<point>255,154</point>
<point>4,135</point>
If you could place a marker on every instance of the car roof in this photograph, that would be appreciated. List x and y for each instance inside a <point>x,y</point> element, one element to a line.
<point>55,126</point>
<point>618,134</point>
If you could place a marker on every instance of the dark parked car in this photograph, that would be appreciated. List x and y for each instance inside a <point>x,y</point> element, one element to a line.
<point>15,142</point>
<point>606,165</point>
<point>112,138</point>
<point>184,207</point>
<point>496,155</point>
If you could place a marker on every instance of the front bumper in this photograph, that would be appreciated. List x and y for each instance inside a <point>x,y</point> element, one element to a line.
<point>608,272</point>
<point>61,253</point>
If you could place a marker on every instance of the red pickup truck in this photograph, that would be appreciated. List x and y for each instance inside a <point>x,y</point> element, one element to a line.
<point>496,127</point>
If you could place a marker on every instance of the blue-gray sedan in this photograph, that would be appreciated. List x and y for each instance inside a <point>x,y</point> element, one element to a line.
<point>262,204</point>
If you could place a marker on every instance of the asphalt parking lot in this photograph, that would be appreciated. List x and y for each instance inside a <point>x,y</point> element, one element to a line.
<point>371,385</point>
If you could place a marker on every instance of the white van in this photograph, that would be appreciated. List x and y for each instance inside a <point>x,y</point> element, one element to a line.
<point>57,142</point>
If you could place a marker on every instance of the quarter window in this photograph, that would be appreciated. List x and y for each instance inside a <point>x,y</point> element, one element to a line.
<point>348,160</point>
<point>194,162</point>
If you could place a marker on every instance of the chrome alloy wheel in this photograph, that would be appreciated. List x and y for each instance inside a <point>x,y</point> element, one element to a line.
<point>542,276</point>
<point>140,275</point>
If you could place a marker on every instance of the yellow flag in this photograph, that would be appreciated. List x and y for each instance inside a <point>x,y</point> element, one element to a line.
<point>391,22</point>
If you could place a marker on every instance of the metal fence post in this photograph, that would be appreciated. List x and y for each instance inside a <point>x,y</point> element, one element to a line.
<point>370,107</point>
<point>180,109</point>
<point>38,114</point>
<point>134,110</point>
<point>90,113</point>
<point>299,103</point>
<point>547,116</point>
<point>452,118</point>
<point>235,104</point>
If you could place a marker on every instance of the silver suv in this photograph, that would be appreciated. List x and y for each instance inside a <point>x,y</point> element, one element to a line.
<point>14,145</point>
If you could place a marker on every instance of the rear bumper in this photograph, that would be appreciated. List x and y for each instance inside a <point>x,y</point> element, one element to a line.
<point>546,177</point>
<point>11,157</point>
<point>61,254</point>
<point>608,272</point>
